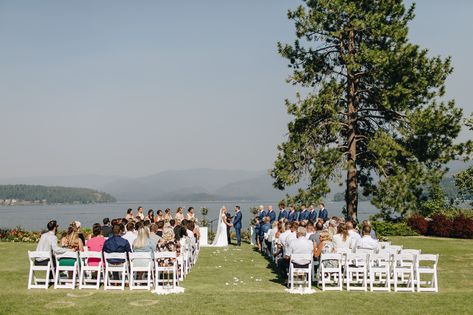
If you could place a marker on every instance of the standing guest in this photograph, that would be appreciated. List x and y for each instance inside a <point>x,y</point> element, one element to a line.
<point>48,243</point>
<point>160,226</point>
<point>129,214</point>
<point>130,234</point>
<point>179,216</point>
<point>323,213</point>
<point>312,214</point>
<point>167,215</point>
<point>271,214</point>
<point>304,214</point>
<point>366,241</point>
<point>150,216</point>
<point>106,227</point>
<point>95,244</point>
<point>116,244</point>
<point>282,211</point>
<point>264,230</point>
<point>257,232</point>
<point>261,214</point>
<point>72,242</point>
<point>341,240</point>
<point>292,216</point>
<point>139,215</point>
<point>190,214</point>
<point>159,216</point>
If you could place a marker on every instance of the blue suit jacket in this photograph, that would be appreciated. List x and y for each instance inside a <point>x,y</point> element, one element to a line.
<point>261,216</point>
<point>323,214</point>
<point>313,216</point>
<point>292,216</point>
<point>272,216</point>
<point>282,214</point>
<point>304,215</point>
<point>237,220</point>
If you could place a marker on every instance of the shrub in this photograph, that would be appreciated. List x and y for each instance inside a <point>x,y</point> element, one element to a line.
<point>18,234</point>
<point>440,226</point>
<point>419,224</point>
<point>386,228</point>
<point>462,227</point>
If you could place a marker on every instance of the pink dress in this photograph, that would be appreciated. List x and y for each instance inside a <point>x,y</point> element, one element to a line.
<point>95,244</point>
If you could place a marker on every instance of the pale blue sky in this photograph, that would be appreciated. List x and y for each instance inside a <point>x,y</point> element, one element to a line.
<point>136,87</point>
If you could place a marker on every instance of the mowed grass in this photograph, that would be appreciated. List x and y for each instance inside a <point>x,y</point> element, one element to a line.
<point>240,281</point>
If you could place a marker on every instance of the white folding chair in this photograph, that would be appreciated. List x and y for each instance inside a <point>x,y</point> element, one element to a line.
<point>382,245</point>
<point>403,272</point>
<point>168,269</point>
<point>427,264</point>
<point>141,263</point>
<point>379,266</point>
<point>330,266</point>
<point>356,271</point>
<point>115,268</point>
<point>304,273</point>
<point>397,248</point>
<point>368,251</point>
<point>66,282</point>
<point>48,268</point>
<point>86,274</point>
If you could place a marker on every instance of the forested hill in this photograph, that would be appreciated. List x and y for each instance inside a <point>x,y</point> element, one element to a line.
<point>55,194</point>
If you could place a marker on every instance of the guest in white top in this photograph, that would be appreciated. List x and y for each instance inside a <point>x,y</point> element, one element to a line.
<point>48,242</point>
<point>190,214</point>
<point>352,234</point>
<point>272,232</point>
<point>130,234</point>
<point>139,214</point>
<point>341,239</point>
<point>367,242</point>
<point>300,245</point>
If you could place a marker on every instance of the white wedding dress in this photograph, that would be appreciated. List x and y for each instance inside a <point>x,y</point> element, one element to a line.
<point>221,239</point>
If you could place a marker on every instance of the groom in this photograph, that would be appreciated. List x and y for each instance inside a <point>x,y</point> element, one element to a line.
<point>237,224</point>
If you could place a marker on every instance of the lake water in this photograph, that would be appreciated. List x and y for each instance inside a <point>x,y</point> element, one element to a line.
<point>36,217</point>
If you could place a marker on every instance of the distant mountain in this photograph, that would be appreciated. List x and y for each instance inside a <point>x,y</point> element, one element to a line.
<point>89,181</point>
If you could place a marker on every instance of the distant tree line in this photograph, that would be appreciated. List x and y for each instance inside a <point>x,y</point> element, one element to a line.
<point>54,194</point>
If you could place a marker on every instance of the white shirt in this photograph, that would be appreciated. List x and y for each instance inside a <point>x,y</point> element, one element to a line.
<point>367,242</point>
<point>272,234</point>
<point>338,242</point>
<point>291,236</point>
<point>300,245</point>
<point>354,237</point>
<point>48,243</point>
<point>130,237</point>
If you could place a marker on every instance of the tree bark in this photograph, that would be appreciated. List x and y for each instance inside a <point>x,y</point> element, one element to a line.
<point>352,176</point>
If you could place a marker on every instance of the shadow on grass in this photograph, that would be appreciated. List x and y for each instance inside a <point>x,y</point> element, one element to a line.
<point>274,268</point>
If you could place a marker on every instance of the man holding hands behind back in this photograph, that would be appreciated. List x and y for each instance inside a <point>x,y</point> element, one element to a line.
<point>237,224</point>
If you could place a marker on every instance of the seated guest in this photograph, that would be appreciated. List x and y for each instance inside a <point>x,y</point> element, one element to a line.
<point>352,234</point>
<point>129,215</point>
<point>106,227</point>
<point>77,224</point>
<point>325,247</point>
<point>319,226</point>
<point>160,225</point>
<point>153,235</point>
<point>48,243</point>
<point>367,241</point>
<point>272,232</point>
<point>72,242</point>
<point>292,234</point>
<point>332,227</point>
<point>195,229</point>
<point>257,232</point>
<point>95,244</point>
<point>341,240</point>
<point>190,232</point>
<point>368,223</point>
<point>310,229</point>
<point>116,244</point>
<point>130,234</point>
<point>143,243</point>
<point>300,245</point>
<point>167,244</point>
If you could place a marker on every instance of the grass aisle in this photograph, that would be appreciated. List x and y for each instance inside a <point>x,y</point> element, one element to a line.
<point>239,280</point>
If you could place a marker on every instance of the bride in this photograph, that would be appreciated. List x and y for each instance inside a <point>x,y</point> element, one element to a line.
<point>221,239</point>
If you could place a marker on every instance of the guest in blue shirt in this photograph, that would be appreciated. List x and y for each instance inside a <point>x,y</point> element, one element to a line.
<point>116,244</point>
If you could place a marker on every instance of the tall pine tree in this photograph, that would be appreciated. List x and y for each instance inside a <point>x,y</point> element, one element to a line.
<point>372,108</point>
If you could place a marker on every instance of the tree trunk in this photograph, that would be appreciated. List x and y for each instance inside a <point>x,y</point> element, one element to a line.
<point>351,196</point>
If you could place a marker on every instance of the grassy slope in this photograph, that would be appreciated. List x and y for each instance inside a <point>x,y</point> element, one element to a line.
<point>212,289</point>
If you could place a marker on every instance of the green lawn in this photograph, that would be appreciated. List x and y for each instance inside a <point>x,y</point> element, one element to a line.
<point>240,281</point>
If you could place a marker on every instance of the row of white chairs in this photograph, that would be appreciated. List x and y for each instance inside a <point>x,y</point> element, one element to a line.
<point>113,276</point>
<point>404,271</point>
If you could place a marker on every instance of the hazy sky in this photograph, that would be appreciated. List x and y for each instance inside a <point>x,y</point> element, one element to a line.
<point>136,87</point>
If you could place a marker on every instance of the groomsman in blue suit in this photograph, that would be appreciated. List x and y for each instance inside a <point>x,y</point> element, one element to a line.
<point>237,224</point>
<point>271,214</point>
<point>292,216</point>
<point>312,214</point>
<point>282,211</point>
<point>323,213</point>
<point>261,214</point>
<point>304,214</point>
